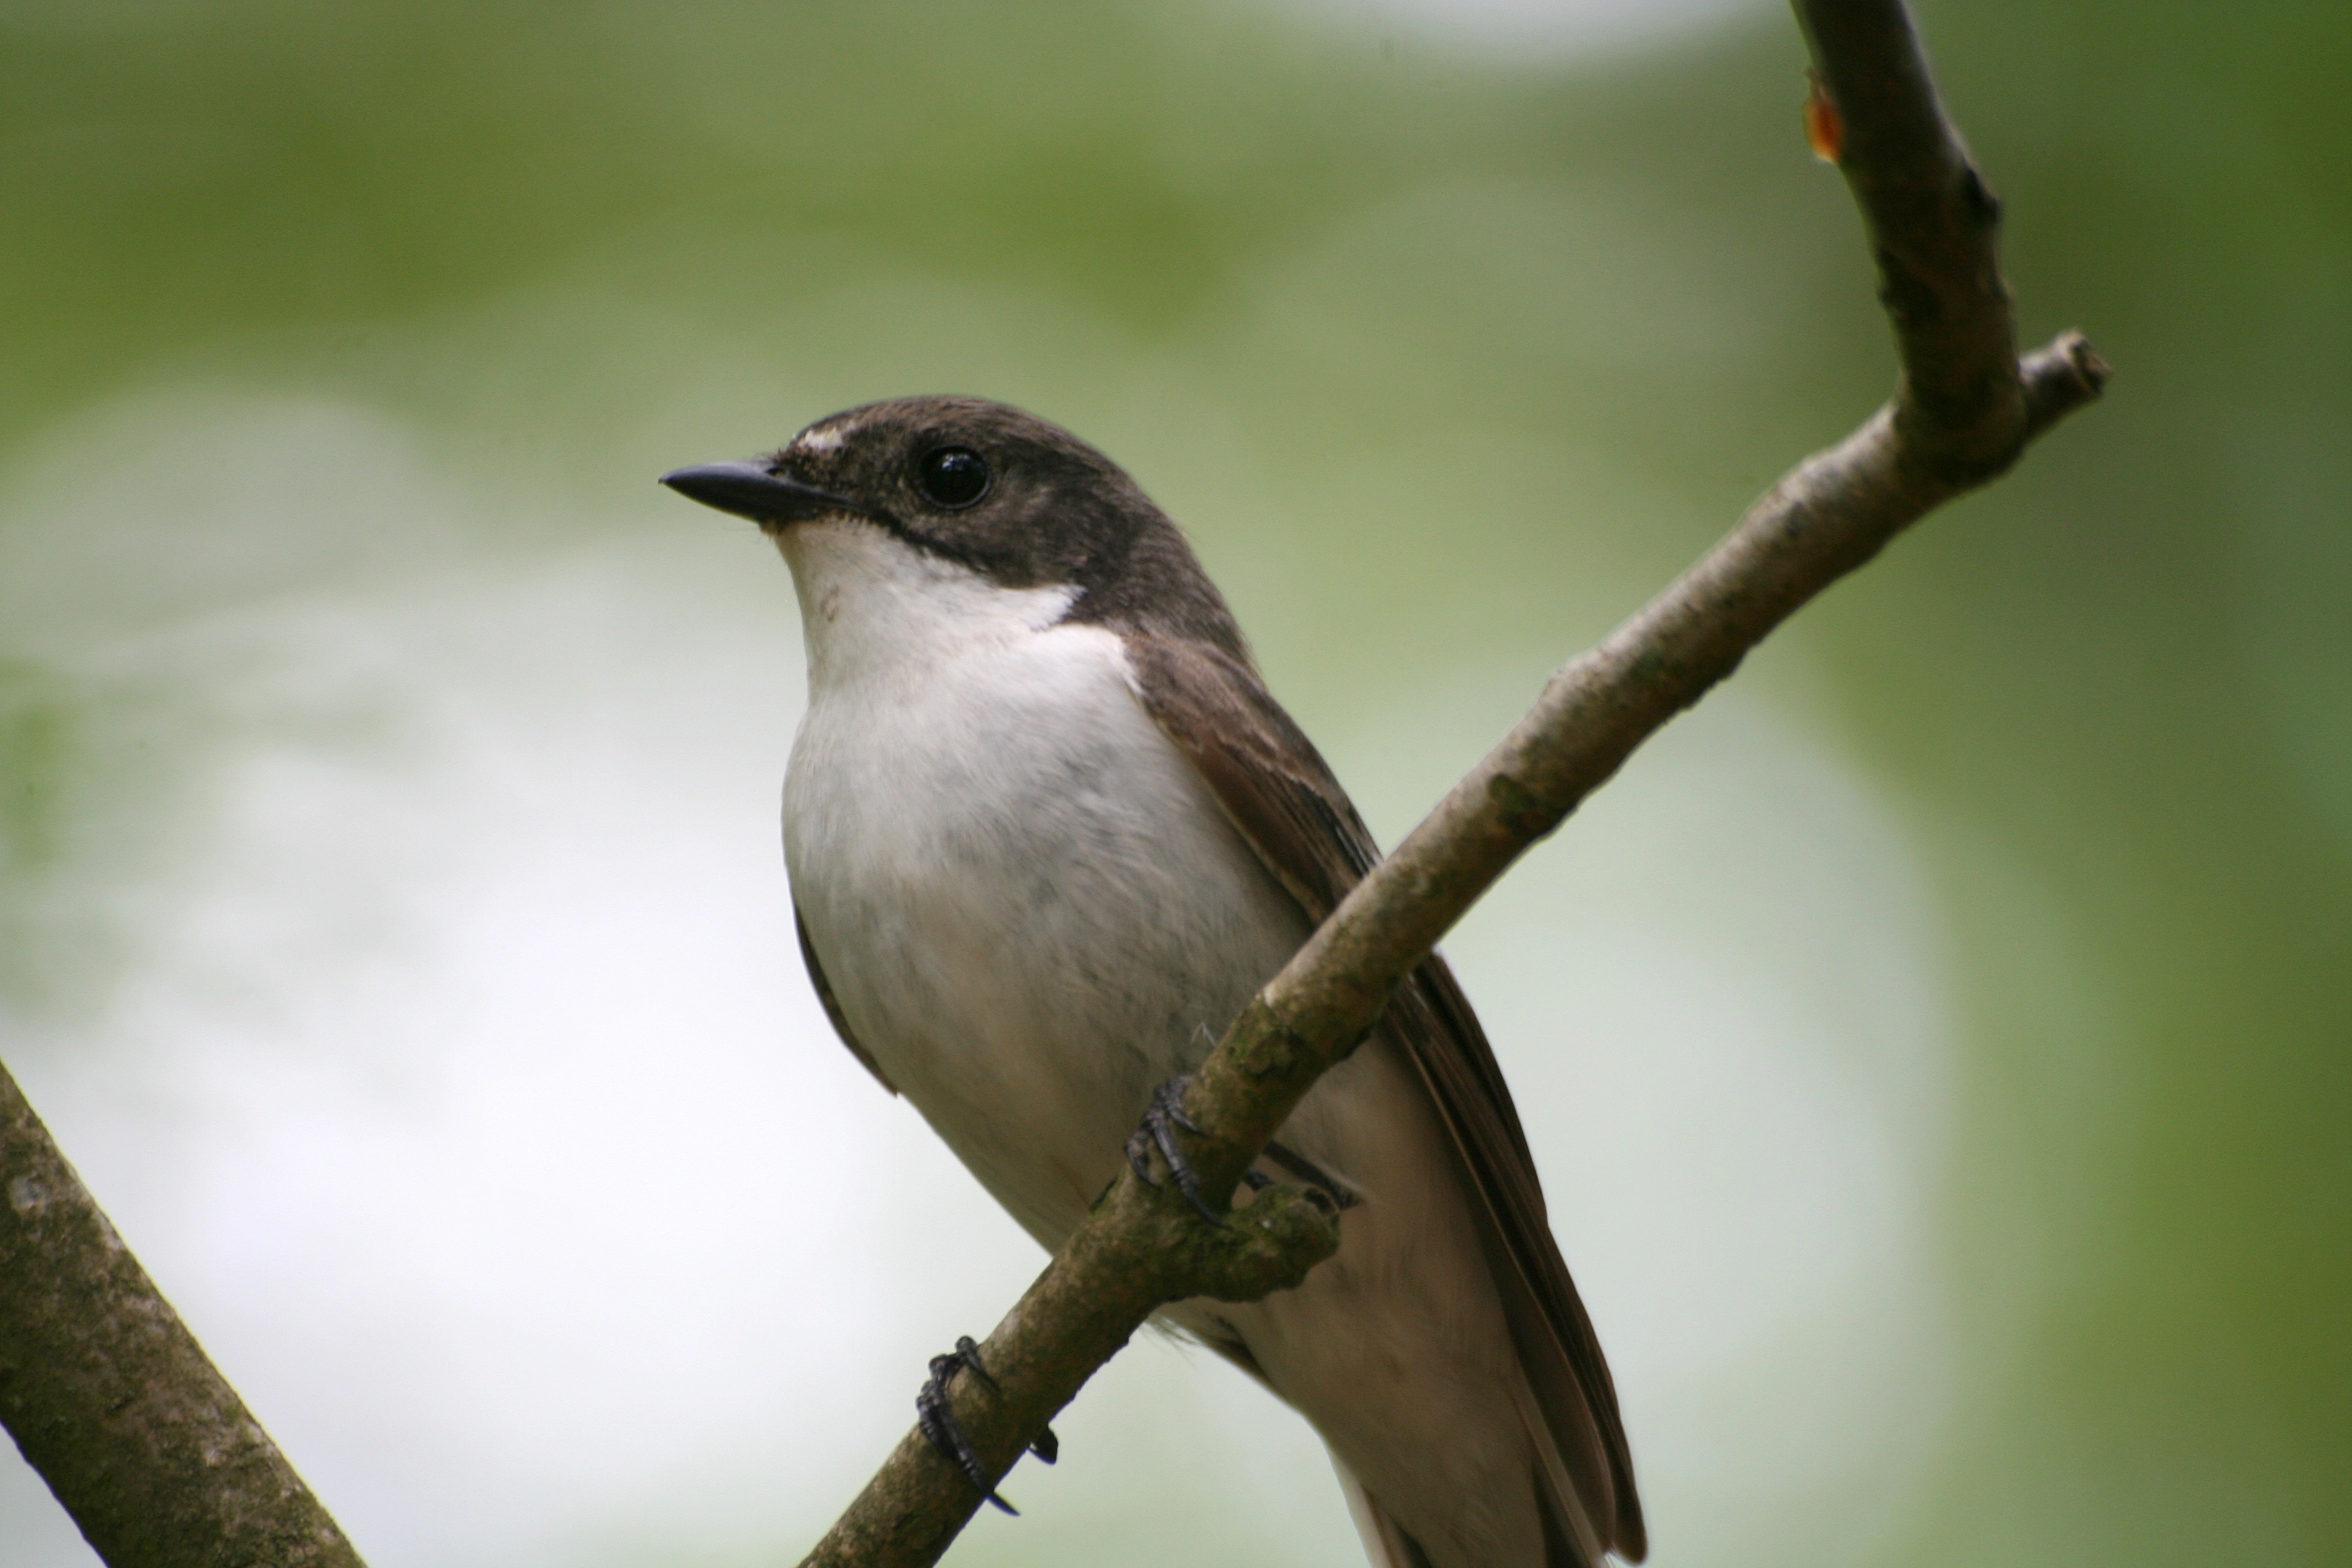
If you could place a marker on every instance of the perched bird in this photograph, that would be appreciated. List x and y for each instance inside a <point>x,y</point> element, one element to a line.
<point>1048,833</point>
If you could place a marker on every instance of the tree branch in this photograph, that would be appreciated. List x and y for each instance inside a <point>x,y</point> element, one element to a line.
<point>1965,409</point>
<point>112,1399</point>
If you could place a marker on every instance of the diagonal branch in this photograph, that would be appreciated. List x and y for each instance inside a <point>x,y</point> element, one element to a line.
<point>1964,409</point>
<point>112,1399</point>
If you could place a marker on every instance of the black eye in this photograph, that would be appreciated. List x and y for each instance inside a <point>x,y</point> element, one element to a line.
<point>952,477</point>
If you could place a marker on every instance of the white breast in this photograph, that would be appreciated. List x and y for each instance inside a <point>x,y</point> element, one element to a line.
<point>1027,903</point>
<point>1032,912</point>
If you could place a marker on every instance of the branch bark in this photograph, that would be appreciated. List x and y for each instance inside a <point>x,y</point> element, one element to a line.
<point>112,1399</point>
<point>1965,407</point>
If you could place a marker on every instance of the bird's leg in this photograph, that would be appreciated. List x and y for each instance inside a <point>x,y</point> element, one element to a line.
<point>937,1418</point>
<point>1157,1130</point>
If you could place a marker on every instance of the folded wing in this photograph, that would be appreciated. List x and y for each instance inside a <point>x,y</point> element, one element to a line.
<point>1278,792</point>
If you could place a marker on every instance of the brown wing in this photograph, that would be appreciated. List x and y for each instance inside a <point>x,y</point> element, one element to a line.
<point>833,1007</point>
<point>1280,794</point>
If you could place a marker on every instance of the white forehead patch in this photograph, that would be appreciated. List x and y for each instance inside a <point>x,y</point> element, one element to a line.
<point>824,439</point>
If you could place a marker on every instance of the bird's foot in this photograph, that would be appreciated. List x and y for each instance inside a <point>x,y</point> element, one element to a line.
<point>1341,1195</point>
<point>1157,1130</point>
<point>937,1418</point>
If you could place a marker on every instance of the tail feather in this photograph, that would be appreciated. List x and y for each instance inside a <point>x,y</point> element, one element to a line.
<point>1572,1538</point>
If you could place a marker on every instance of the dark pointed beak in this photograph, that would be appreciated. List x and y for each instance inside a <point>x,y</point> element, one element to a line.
<point>749,490</point>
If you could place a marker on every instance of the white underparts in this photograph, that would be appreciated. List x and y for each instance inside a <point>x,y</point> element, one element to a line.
<point>1033,910</point>
<point>1027,905</point>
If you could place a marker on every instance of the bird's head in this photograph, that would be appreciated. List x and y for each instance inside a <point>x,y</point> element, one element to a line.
<point>971,489</point>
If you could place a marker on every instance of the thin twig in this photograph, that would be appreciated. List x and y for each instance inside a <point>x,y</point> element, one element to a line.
<point>112,1399</point>
<point>1964,410</point>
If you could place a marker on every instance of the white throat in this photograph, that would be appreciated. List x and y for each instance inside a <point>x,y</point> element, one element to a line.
<point>1025,900</point>
<point>875,607</point>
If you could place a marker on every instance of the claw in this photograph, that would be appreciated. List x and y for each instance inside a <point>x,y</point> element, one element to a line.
<point>1160,1119</point>
<point>968,1353</point>
<point>1046,1446</point>
<point>1314,1175</point>
<point>937,1419</point>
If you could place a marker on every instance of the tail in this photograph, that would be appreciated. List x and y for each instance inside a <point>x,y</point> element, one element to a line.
<point>1570,1540</point>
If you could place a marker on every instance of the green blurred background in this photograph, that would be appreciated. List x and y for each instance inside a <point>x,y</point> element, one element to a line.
<point>1939,1044</point>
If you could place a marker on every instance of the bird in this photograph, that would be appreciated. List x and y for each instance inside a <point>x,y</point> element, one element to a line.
<point>1046,833</point>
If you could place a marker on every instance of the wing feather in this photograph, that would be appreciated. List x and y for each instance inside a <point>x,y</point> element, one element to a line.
<point>1279,793</point>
